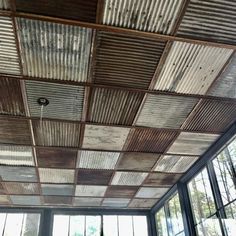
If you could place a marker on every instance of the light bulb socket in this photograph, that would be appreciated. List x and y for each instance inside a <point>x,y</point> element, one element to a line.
<point>43,101</point>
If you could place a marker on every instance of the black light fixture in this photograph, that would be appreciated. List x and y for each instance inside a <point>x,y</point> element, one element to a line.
<point>43,101</point>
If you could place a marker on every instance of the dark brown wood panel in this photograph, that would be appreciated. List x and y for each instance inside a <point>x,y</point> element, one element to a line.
<point>121,191</point>
<point>57,200</point>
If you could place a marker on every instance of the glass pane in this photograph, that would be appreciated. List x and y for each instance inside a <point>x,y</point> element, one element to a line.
<point>77,225</point>
<point>13,225</point>
<point>2,222</point>
<point>110,226</point>
<point>161,223</point>
<point>93,225</point>
<point>31,225</point>
<point>176,219</point>
<point>60,225</point>
<point>230,222</point>
<point>232,151</point>
<point>224,174</point>
<point>125,226</point>
<point>140,226</point>
<point>201,197</point>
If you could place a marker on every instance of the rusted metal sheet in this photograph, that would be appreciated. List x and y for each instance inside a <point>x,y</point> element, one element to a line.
<point>9,60</point>
<point>175,164</point>
<point>110,106</point>
<point>87,202</point>
<point>65,101</point>
<point>210,20</point>
<point>191,68</point>
<point>97,160</point>
<point>5,4</point>
<point>126,61</point>
<point>128,178</point>
<point>90,190</point>
<point>54,51</point>
<point>104,137</point>
<point>49,133</point>
<point>22,188</point>
<point>192,143</point>
<point>225,85</point>
<point>121,191</point>
<point>148,192</point>
<point>142,203</point>
<point>210,115</point>
<point>25,200</point>
<point>2,190</point>
<point>4,200</point>
<point>162,111</point>
<point>57,189</point>
<point>115,202</point>
<point>149,140</point>
<point>59,158</point>
<point>94,177</point>
<point>152,15</point>
<point>57,200</point>
<point>137,161</point>
<point>72,9</point>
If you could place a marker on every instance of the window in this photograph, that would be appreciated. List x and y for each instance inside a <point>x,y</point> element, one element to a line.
<point>161,225</point>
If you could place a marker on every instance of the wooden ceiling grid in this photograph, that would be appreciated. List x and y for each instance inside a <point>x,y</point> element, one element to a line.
<point>130,98</point>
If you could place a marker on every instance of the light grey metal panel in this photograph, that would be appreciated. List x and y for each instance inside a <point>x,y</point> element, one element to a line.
<point>87,202</point>
<point>191,68</point>
<point>5,4</point>
<point>9,60</point>
<point>129,178</point>
<point>25,200</point>
<point>16,155</point>
<point>115,202</point>
<point>54,51</point>
<point>192,143</point>
<point>57,189</point>
<point>151,15</point>
<point>225,85</point>
<point>90,190</point>
<point>65,101</point>
<point>142,203</point>
<point>147,192</point>
<point>162,111</point>
<point>21,188</point>
<point>97,160</point>
<point>106,138</point>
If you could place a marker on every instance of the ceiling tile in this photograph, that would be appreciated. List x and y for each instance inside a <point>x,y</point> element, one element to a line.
<point>22,188</point>
<point>59,158</point>
<point>148,192</point>
<point>10,97</point>
<point>25,200</point>
<point>94,177</point>
<point>87,202</point>
<point>13,173</point>
<point>116,202</point>
<point>175,164</point>
<point>211,116</point>
<point>121,191</point>
<point>191,68</point>
<point>137,161</point>
<point>47,175</point>
<point>102,137</point>
<point>16,155</point>
<point>162,179</point>
<point>90,190</point>
<point>65,101</point>
<point>149,140</point>
<point>142,203</point>
<point>162,111</point>
<point>57,189</point>
<point>110,106</point>
<point>54,51</point>
<point>192,143</point>
<point>154,15</point>
<point>126,61</point>
<point>2,190</point>
<point>97,160</point>
<point>209,20</point>
<point>51,133</point>
<point>4,200</point>
<point>5,4</point>
<point>9,60</point>
<point>15,131</point>
<point>128,178</point>
<point>57,200</point>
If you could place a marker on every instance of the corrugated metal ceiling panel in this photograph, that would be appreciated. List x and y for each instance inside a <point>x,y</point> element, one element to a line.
<point>97,160</point>
<point>90,190</point>
<point>211,116</point>
<point>210,20</point>
<point>148,192</point>
<point>54,51</point>
<point>4,4</point>
<point>165,111</point>
<point>22,188</point>
<point>57,200</point>
<point>26,200</point>
<point>225,85</point>
<point>116,202</point>
<point>87,202</point>
<point>9,60</point>
<point>4,200</point>
<point>152,15</point>
<point>142,203</point>
<point>125,60</point>
<point>114,106</point>
<point>191,68</point>
<point>57,189</point>
<point>65,101</point>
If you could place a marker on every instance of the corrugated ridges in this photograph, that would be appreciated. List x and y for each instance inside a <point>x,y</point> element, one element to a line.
<point>50,133</point>
<point>4,4</point>
<point>191,68</point>
<point>225,85</point>
<point>65,101</point>
<point>9,60</point>
<point>54,51</point>
<point>110,106</point>
<point>152,15</point>
<point>21,188</point>
<point>210,20</point>
<point>162,111</point>
<point>210,115</point>
<point>116,202</point>
<point>25,200</point>
<point>125,60</point>
<point>149,140</point>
